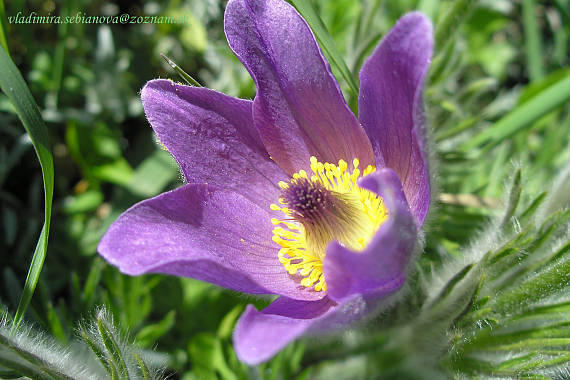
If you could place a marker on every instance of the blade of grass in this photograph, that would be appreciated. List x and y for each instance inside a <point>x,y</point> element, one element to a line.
<point>539,105</point>
<point>441,61</point>
<point>450,22</point>
<point>362,52</point>
<point>371,17</point>
<point>457,129</point>
<point>533,41</point>
<point>15,88</point>
<point>59,55</point>
<point>2,23</point>
<point>187,77</point>
<point>325,41</point>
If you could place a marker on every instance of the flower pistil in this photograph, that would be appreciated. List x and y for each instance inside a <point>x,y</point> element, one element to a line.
<point>321,207</point>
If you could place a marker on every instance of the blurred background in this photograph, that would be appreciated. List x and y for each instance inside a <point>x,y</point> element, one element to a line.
<point>86,79</point>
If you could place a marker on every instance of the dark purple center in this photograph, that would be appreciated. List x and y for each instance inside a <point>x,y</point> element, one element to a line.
<point>309,200</point>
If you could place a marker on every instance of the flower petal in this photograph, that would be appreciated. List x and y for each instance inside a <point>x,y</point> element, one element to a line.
<point>381,268</point>
<point>212,137</point>
<point>202,232</point>
<point>391,109</point>
<point>261,334</point>
<point>299,110</point>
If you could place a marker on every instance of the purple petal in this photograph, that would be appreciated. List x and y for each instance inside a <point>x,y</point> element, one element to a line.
<point>299,110</point>
<point>261,334</point>
<point>391,109</point>
<point>202,232</point>
<point>381,268</point>
<point>212,137</point>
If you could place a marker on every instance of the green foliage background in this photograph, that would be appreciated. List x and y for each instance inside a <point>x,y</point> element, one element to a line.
<point>495,260</point>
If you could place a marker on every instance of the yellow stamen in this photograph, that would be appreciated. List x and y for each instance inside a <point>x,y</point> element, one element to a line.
<point>321,207</point>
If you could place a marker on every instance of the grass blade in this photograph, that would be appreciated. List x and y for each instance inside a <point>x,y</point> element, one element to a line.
<point>533,42</point>
<point>13,85</point>
<point>325,41</point>
<point>183,74</point>
<point>539,105</point>
<point>450,22</point>
<point>2,23</point>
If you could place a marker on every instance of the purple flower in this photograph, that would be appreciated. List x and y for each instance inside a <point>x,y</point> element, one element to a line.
<point>289,194</point>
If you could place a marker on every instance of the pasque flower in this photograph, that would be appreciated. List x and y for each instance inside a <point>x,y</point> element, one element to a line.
<point>290,194</point>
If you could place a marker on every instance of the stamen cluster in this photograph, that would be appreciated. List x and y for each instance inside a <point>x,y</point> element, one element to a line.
<point>308,200</point>
<point>321,208</point>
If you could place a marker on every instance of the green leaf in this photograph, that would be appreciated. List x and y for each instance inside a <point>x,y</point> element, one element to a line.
<point>92,282</point>
<point>440,62</point>
<point>476,88</point>
<point>97,151</point>
<point>550,281</point>
<point>114,371</point>
<point>539,343</point>
<point>536,87</point>
<point>550,226</point>
<point>151,333</point>
<point>95,348</point>
<point>84,202</point>
<point>113,348</point>
<point>562,308</point>
<point>56,326</point>
<point>23,369</point>
<point>450,285</point>
<point>325,41</point>
<point>531,209</point>
<point>517,362</point>
<point>153,174</point>
<point>118,172</point>
<point>523,116</point>
<point>489,340</point>
<point>227,324</point>
<point>363,51</point>
<point>13,85</point>
<point>455,130</point>
<point>59,54</point>
<point>454,300</point>
<point>561,359</point>
<point>9,374</point>
<point>207,357</point>
<point>143,367</point>
<point>32,362</point>
<point>514,197</point>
